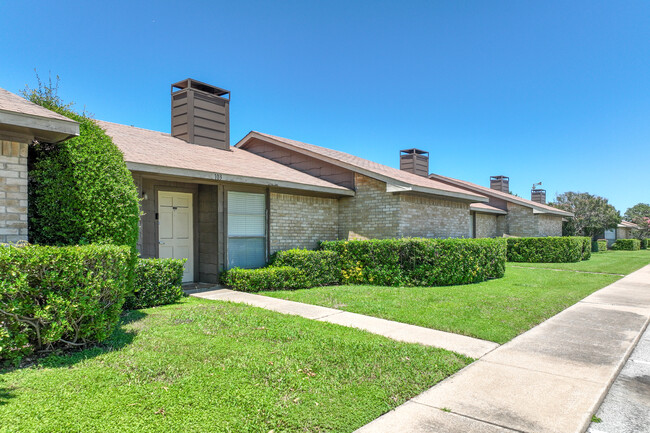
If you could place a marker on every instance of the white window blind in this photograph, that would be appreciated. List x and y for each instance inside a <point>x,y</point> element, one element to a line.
<point>246,229</point>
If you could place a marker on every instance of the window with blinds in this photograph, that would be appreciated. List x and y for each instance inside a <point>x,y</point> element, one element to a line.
<point>246,229</point>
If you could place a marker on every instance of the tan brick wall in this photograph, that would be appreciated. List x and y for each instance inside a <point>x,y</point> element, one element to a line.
<point>372,214</point>
<point>486,226</point>
<point>301,222</point>
<point>432,218</point>
<point>520,221</point>
<point>13,191</point>
<point>549,225</point>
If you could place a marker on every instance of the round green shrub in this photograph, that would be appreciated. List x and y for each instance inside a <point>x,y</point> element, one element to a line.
<point>80,190</point>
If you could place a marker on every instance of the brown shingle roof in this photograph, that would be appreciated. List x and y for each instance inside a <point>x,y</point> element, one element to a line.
<point>153,148</point>
<point>367,167</point>
<point>16,104</point>
<point>628,224</point>
<point>500,194</point>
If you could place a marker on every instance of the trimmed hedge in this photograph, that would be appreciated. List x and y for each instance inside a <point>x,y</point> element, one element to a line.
<point>269,278</point>
<point>419,262</point>
<point>52,297</point>
<point>627,245</point>
<point>322,268</point>
<point>549,249</point>
<point>156,282</point>
<point>586,247</point>
<point>644,243</point>
<point>599,246</point>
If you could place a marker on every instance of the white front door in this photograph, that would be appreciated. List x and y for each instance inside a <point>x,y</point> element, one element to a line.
<point>175,231</point>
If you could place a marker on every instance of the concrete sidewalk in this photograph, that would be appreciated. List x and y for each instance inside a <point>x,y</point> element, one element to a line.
<point>549,379</point>
<point>626,408</point>
<point>472,347</point>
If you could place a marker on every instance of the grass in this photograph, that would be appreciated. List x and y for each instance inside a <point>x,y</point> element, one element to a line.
<point>205,365</point>
<point>496,310</point>
<point>612,262</point>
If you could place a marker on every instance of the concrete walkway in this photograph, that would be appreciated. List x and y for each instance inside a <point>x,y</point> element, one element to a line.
<point>549,379</point>
<point>626,408</point>
<point>472,347</point>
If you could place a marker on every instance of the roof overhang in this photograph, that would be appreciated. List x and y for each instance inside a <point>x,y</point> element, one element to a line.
<point>41,128</point>
<point>540,211</point>
<point>216,177</point>
<point>392,185</point>
<point>490,210</point>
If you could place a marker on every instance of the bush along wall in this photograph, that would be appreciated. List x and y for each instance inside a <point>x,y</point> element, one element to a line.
<point>627,244</point>
<point>57,297</point>
<point>549,249</point>
<point>599,246</point>
<point>268,278</point>
<point>156,282</point>
<point>644,243</point>
<point>419,262</point>
<point>321,267</point>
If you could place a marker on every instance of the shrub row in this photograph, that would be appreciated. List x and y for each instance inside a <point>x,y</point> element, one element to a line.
<point>54,297</point>
<point>322,267</point>
<point>269,278</point>
<point>549,249</point>
<point>627,244</point>
<point>419,262</point>
<point>599,246</point>
<point>644,243</point>
<point>156,282</point>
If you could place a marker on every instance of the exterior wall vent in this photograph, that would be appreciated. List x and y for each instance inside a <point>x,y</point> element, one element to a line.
<point>414,161</point>
<point>500,183</point>
<point>538,195</point>
<point>201,114</point>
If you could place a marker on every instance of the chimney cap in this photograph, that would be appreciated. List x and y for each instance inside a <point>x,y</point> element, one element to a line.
<point>414,152</point>
<point>499,178</point>
<point>201,86</point>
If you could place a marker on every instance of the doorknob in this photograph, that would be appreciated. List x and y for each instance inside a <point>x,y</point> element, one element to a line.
<point>161,242</point>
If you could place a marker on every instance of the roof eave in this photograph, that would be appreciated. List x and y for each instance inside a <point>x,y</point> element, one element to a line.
<point>213,176</point>
<point>42,128</point>
<point>398,185</point>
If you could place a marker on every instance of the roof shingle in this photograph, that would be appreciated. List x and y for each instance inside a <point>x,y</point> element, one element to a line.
<point>143,146</point>
<point>16,104</point>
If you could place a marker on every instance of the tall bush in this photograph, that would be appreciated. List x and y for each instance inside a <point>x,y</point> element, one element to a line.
<point>59,296</point>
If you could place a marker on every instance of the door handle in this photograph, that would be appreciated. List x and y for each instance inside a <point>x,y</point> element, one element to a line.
<point>161,242</point>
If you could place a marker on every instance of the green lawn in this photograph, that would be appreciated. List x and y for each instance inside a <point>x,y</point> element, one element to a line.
<point>208,366</point>
<point>496,310</point>
<point>613,262</point>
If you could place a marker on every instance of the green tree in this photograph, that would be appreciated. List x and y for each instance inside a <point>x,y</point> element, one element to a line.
<point>80,190</point>
<point>592,214</point>
<point>640,215</point>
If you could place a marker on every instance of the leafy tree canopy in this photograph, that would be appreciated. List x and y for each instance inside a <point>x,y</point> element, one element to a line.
<point>592,214</point>
<point>80,190</point>
<point>640,215</point>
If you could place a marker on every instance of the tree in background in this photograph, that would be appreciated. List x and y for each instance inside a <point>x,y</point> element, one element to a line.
<point>640,215</point>
<point>592,214</point>
<point>80,190</point>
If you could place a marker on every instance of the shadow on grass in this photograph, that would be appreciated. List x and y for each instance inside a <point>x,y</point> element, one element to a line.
<point>120,338</point>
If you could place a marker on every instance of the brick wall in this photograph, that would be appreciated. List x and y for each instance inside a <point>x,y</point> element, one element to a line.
<point>433,218</point>
<point>301,222</point>
<point>486,226</point>
<point>549,225</point>
<point>372,214</point>
<point>520,221</point>
<point>13,191</point>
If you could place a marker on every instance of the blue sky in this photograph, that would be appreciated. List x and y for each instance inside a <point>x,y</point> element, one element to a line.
<point>550,91</point>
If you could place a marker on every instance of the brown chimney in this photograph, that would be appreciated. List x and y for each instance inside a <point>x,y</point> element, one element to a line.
<point>414,161</point>
<point>201,114</point>
<point>538,195</point>
<point>500,183</point>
